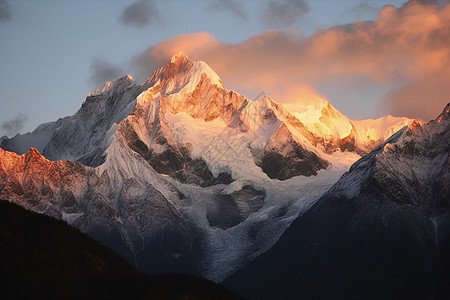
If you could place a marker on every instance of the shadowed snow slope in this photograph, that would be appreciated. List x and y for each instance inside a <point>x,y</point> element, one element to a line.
<point>381,232</point>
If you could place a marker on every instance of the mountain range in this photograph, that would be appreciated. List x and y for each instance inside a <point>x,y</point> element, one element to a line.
<point>381,232</point>
<point>179,174</point>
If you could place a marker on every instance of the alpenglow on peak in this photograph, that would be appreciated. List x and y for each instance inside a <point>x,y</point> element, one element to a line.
<point>193,71</point>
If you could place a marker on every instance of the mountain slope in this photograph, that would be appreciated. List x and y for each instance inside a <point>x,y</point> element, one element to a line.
<point>189,94</point>
<point>42,257</point>
<point>187,88</point>
<point>179,173</point>
<point>381,232</point>
<point>82,137</point>
<point>133,217</point>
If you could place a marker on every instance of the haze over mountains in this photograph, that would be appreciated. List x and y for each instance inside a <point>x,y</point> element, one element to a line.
<point>180,174</point>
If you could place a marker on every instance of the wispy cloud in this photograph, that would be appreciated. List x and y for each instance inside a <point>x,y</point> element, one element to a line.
<point>102,71</point>
<point>233,6</point>
<point>13,126</point>
<point>140,13</point>
<point>366,7</point>
<point>5,11</point>
<point>284,13</point>
<point>440,2</point>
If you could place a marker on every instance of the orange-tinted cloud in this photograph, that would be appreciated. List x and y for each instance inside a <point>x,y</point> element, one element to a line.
<point>423,99</point>
<point>407,47</point>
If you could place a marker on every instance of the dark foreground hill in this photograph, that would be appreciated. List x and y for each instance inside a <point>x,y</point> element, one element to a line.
<point>41,257</point>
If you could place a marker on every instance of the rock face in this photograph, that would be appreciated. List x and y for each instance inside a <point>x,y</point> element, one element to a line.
<point>180,174</point>
<point>381,232</point>
<point>133,219</point>
<point>284,157</point>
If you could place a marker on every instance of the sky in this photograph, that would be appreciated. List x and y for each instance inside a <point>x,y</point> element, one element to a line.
<point>369,58</point>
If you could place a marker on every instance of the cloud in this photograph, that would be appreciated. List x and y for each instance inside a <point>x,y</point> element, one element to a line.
<point>423,99</point>
<point>5,11</point>
<point>14,125</point>
<point>440,2</point>
<point>231,6</point>
<point>406,50</point>
<point>103,71</point>
<point>284,13</point>
<point>140,13</point>
<point>202,43</point>
<point>365,7</point>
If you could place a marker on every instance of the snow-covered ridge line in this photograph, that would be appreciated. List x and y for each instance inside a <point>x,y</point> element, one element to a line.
<point>120,82</point>
<point>182,150</point>
<point>185,77</point>
<point>361,136</point>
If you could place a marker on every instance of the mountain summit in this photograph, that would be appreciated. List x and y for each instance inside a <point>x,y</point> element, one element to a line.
<point>180,174</point>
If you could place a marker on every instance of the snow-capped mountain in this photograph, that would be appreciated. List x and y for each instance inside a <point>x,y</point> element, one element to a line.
<point>182,168</point>
<point>334,131</point>
<point>81,137</point>
<point>118,215</point>
<point>381,232</point>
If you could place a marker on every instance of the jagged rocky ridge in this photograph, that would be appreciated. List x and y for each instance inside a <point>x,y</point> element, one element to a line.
<point>381,232</point>
<point>180,174</point>
<point>150,234</point>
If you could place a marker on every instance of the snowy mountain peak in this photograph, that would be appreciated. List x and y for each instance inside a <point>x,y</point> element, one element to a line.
<point>121,83</point>
<point>266,100</point>
<point>179,64</point>
<point>262,103</point>
<point>182,74</point>
<point>181,147</point>
<point>179,56</point>
<point>337,131</point>
<point>186,86</point>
